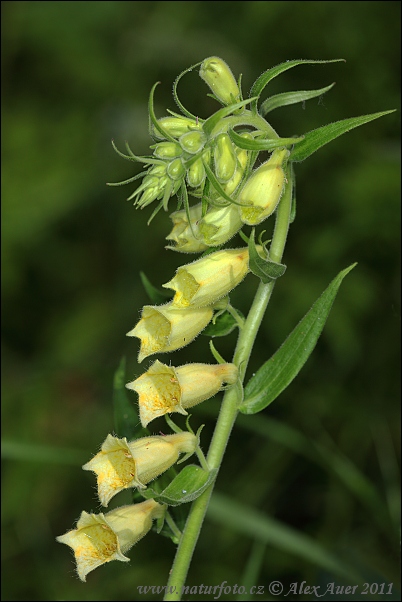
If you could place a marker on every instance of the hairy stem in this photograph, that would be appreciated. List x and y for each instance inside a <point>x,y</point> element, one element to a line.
<point>230,404</point>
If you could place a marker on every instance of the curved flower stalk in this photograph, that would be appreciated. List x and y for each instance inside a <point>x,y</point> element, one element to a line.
<point>207,280</point>
<point>101,538</point>
<point>165,389</point>
<point>121,464</point>
<point>167,327</point>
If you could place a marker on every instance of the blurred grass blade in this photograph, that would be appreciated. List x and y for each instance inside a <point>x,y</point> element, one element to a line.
<point>317,138</point>
<point>247,521</point>
<point>30,452</point>
<point>252,570</point>
<point>279,371</point>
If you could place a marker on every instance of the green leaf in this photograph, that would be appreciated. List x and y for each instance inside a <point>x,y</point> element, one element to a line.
<point>153,118</point>
<point>291,98</point>
<point>224,324</point>
<point>156,295</point>
<point>268,75</point>
<point>317,138</point>
<point>265,269</point>
<point>245,520</point>
<point>187,486</point>
<point>262,144</point>
<point>126,420</point>
<point>279,371</point>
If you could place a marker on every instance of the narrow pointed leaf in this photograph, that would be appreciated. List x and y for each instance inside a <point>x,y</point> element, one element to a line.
<point>317,138</point>
<point>290,98</point>
<point>176,97</point>
<point>270,74</point>
<point>187,486</point>
<point>126,420</point>
<point>156,295</point>
<point>262,144</point>
<point>153,118</point>
<point>279,371</point>
<point>265,269</point>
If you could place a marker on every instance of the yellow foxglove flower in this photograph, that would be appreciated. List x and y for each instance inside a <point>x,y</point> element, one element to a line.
<point>263,189</point>
<point>101,538</point>
<point>184,235</point>
<point>206,280</point>
<point>167,327</point>
<point>219,225</point>
<point>218,76</point>
<point>164,389</point>
<point>121,464</point>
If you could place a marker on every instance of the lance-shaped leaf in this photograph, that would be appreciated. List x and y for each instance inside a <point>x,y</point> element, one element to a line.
<point>317,138</point>
<point>291,98</point>
<point>279,371</point>
<point>126,419</point>
<point>156,295</point>
<point>268,75</point>
<point>187,486</point>
<point>265,269</point>
<point>262,144</point>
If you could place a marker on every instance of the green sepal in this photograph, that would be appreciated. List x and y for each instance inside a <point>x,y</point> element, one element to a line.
<point>223,325</point>
<point>261,144</point>
<point>153,118</point>
<point>270,74</point>
<point>189,484</point>
<point>265,269</point>
<point>278,372</point>
<point>156,295</point>
<point>317,138</point>
<point>126,419</point>
<point>176,97</point>
<point>212,121</point>
<point>290,98</point>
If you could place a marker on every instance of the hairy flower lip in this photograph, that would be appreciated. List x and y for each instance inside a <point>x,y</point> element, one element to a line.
<point>166,327</point>
<point>164,389</point>
<point>101,538</point>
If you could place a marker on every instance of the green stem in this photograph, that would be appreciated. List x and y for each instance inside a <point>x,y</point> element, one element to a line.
<point>230,403</point>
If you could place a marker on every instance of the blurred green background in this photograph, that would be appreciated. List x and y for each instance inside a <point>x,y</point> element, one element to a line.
<point>323,459</point>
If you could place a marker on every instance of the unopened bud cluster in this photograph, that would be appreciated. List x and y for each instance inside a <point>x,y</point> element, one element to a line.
<point>189,156</point>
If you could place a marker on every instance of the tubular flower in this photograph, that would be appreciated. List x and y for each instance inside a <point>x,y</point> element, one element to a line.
<point>167,327</point>
<point>206,280</point>
<point>121,465</point>
<point>164,389</point>
<point>219,224</point>
<point>218,76</point>
<point>263,189</point>
<point>176,126</point>
<point>225,159</point>
<point>101,538</point>
<point>184,235</point>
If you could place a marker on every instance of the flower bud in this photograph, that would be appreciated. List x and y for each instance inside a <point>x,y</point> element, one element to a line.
<point>165,328</point>
<point>219,225</point>
<point>175,169</point>
<point>206,280</point>
<point>167,150</point>
<point>224,158</point>
<point>121,465</point>
<point>217,75</point>
<point>242,160</point>
<point>196,173</point>
<point>176,126</point>
<point>182,234</point>
<point>101,538</point>
<point>263,189</point>
<point>164,389</point>
<point>192,142</point>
